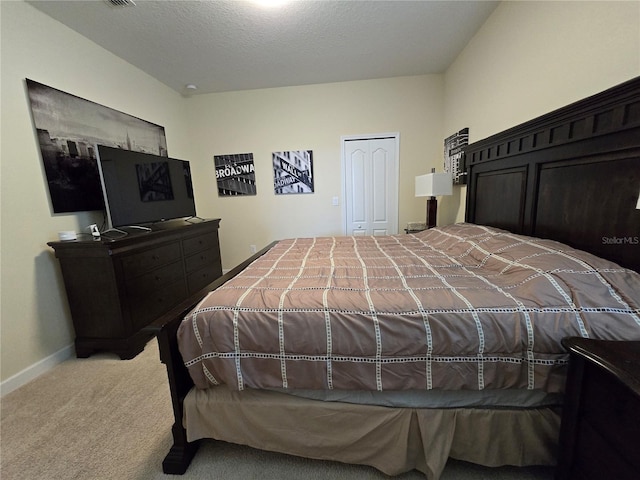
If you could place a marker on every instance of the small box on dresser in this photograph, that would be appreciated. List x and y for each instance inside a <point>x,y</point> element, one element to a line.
<point>116,287</point>
<point>600,431</point>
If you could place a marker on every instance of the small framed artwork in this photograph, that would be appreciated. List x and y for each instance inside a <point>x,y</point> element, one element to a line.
<point>235,174</point>
<point>293,172</point>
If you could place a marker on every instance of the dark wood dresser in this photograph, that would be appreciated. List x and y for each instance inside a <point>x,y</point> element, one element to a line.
<point>600,432</point>
<point>116,287</point>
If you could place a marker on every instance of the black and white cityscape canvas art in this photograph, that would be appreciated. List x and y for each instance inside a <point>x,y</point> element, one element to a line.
<point>68,128</point>
<point>293,172</point>
<point>454,156</point>
<point>235,174</point>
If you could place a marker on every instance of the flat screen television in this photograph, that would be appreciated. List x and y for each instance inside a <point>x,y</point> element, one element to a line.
<point>141,189</point>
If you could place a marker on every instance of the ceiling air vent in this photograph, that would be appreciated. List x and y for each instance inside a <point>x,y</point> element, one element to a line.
<point>121,3</point>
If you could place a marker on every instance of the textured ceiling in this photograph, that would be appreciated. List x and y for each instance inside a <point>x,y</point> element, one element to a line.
<point>224,45</point>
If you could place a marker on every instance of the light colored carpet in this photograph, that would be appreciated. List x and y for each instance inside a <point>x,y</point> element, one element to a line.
<point>105,418</point>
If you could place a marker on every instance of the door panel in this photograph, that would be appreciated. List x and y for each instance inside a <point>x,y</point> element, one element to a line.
<point>358,189</point>
<point>379,184</point>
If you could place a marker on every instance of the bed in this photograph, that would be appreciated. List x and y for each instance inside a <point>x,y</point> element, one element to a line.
<point>401,351</point>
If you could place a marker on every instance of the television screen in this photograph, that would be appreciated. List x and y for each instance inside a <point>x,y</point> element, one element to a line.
<point>142,188</point>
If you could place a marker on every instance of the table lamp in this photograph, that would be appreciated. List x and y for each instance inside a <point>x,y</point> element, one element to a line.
<point>433,185</point>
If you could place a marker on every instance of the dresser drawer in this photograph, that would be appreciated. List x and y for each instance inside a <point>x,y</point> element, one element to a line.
<point>148,282</point>
<point>202,277</point>
<point>201,242</point>
<point>139,263</point>
<point>154,304</point>
<point>194,262</point>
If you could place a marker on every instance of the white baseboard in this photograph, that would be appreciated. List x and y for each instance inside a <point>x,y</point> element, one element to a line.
<point>35,370</point>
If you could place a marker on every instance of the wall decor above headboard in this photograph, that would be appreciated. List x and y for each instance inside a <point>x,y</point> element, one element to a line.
<point>572,175</point>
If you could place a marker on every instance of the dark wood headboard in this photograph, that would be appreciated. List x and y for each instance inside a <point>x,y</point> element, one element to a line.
<point>572,175</point>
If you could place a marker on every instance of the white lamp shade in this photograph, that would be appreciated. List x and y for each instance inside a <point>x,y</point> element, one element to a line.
<point>434,185</point>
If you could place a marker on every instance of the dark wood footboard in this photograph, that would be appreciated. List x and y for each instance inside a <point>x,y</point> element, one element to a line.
<point>182,451</point>
<point>165,329</point>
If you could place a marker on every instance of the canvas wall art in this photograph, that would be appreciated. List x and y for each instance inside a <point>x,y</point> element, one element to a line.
<point>68,128</point>
<point>293,172</point>
<point>235,174</point>
<point>454,156</point>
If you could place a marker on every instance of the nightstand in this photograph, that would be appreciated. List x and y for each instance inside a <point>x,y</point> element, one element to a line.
<point>415,227</point>
<point>600,431</point>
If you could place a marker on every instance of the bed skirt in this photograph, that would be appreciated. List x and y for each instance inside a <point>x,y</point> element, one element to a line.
<point>393,440</point>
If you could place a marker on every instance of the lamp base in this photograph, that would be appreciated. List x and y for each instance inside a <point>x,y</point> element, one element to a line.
<point>432,210</point>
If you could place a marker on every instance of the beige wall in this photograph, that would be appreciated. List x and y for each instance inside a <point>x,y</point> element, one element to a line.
<point>35,321</point>
<point>308,118</point>
<point>530,58</point>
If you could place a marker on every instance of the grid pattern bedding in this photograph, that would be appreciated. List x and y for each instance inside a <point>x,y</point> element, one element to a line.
<point>456,307</point>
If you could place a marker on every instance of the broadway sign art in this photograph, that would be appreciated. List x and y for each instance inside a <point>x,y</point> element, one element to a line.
<point>235,174</point>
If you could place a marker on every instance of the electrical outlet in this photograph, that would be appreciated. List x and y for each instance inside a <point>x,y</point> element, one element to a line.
<point>252,248</point>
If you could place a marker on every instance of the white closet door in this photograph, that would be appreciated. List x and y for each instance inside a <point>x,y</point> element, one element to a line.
<point>371,186</point>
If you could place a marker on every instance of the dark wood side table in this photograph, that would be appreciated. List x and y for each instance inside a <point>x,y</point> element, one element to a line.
<point>117,286</point>
<point>415,227</point>
<point>600,432</point>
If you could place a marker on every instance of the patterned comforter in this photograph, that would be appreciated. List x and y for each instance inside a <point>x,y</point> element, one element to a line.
<point>456,307</point>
